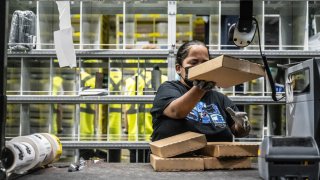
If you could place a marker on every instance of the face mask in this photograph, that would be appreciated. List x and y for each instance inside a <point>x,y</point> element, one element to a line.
<point>185,79</point>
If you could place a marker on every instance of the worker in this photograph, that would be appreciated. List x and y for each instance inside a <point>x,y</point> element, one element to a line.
<point>114,113</point>
<point>87,111</point>
<point>135,131</point>
<point>185,105</point>
<point>138,116</point>
<point>90,117</point>
<point>87,116</point>
<point>139,123</point>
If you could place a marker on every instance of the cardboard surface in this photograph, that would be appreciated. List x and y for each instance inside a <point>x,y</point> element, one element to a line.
<point>176,164</point>
<point>226,71</point>
<point>198,163</point>
<point>231,149</point>
<point>178,144</point>
<point>227,163</point>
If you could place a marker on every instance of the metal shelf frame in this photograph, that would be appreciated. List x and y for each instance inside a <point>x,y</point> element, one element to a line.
<point>105,144</point>
<point>122,99</point>
<point>94,53</point>
<point>161,53</point>
<point>122,54</point>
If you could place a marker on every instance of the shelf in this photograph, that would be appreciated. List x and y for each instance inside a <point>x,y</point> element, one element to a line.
<point>103,53</point>
<point>45,99</point>
<point>105,145</point>
<point>269,53</point>
<point>160,53</point>
<point>121,99</point>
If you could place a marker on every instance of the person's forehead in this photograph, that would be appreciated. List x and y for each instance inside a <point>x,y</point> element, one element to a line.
<point>198,49</point>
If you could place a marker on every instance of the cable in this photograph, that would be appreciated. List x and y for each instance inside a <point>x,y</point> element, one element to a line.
<point>265,63</point>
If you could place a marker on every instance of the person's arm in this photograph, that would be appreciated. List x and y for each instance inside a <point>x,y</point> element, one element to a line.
<point>182,106</point>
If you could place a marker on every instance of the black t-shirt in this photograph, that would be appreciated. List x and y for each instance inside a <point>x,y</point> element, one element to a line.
<point>208,117</point>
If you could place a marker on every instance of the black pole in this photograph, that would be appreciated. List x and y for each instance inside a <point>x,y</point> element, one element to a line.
<point>3,67</point>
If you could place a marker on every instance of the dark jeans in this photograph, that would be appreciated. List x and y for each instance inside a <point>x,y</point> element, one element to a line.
<point>139,155</point>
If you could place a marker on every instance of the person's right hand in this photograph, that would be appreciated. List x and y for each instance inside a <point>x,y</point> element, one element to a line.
<point>204,85</point>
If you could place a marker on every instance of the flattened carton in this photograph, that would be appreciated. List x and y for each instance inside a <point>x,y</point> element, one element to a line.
<point>227,163</point>
<point>177,164</point>
<point>226,71</point>
<point>178,144</point>
<point>231,149</point>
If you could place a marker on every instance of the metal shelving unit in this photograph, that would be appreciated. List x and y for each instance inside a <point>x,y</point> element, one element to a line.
<point>214,9</point>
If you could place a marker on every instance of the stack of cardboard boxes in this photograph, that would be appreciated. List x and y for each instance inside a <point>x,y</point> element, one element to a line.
<point>191,152</point>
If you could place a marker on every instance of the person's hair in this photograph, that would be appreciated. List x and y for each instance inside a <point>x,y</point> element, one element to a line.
<point>184,49</point>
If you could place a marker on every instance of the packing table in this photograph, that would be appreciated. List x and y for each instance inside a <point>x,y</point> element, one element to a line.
<point>135,171</point>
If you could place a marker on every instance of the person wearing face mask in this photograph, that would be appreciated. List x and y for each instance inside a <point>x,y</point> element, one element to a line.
<point>184,105</point>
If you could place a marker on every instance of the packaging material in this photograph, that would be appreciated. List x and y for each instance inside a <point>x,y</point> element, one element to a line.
<point>22,36</point>
<point>41,145</point>
<point>177,164</point>
<point>27,152</point>
<point>18,155</point>
<point>227,163</point>
<point>198,163</point>
<point>56,149</point>
<point>178,144</point>
<point>231,149</point>
<point>226,71</point>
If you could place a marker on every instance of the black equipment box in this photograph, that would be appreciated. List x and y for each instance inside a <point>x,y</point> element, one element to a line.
<point>288,158</point>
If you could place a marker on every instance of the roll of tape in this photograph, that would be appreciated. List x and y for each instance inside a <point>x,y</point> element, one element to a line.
<point>56,147</point>
<point>42,148</point>
<point>19,155</point>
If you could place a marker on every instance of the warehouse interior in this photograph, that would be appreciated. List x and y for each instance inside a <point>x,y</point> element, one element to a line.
<point>99,107</point>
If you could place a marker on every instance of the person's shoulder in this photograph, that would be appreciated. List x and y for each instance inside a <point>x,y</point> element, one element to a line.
<point>171,83</point>
<point>219,94</point>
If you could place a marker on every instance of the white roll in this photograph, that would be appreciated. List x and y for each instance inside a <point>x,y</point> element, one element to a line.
<point>20,155</point>
<point>41,145</point>
<point>56,147</point>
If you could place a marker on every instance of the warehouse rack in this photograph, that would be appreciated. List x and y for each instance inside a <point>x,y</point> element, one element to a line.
<point>86,14</point>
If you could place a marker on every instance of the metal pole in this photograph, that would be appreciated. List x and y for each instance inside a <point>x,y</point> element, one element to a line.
<point>3,67</point>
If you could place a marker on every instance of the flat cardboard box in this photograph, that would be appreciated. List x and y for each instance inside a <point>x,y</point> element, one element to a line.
<point>176,164</point>
<point>227,163</point>
<point>231,149</point>
<point>226,71</point>
<point>178,144</point>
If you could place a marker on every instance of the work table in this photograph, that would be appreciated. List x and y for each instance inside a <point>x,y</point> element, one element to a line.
<point>134,171</point>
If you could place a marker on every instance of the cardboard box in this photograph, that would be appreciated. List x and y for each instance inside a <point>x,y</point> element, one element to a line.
<point>227,163</point>
<point>176,164</point>
<point>231,149</point>
<point>198,163</point>
<point>178,144</point>
<point>226,71</point>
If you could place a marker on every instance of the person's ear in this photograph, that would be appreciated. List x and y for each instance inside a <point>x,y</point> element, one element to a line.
<point>178,69</point>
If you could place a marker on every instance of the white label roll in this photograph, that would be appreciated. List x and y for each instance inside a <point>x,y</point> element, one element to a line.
<point>22,155</point>
<point>41,145</point>
<point>56,147</point>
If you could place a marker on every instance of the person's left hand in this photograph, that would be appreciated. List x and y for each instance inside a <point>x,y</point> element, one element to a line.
<point>241,126</point>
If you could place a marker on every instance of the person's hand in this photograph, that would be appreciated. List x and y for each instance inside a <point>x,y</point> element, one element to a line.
<point>204,85</point>
<point>241,126</point>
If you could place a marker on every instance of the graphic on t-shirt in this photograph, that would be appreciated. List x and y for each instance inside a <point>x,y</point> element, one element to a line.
<point>207,114</point>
